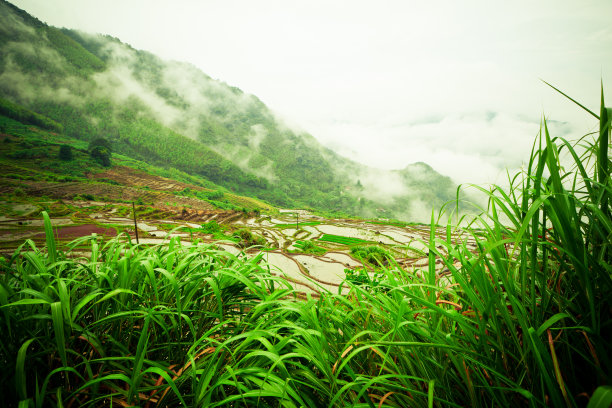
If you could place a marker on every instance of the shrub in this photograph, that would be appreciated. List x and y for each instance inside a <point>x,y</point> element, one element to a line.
<point>211,227</point>
<point>19,192</point>
<point>101,155</point>
<point>100,142</point>
<point>248,239</point>
<point>65,153</point>
<point>373,255</point>
<point>309,247</point>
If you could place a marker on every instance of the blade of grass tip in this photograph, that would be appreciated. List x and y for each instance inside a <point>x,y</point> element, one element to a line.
<point>93,260</point>
<point>49,237</point>
<point>20,376</point>
<point>571,99</point>
<point>431,279</point>
<point>552,320</point>
<point>37,393</point>
<point>602,165</point>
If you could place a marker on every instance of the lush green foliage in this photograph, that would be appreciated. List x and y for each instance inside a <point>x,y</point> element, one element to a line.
<point>33,154</point>
<point>309,247</point>
<point>23,115</point>
<point>219,231</point>
<point>373,255</point>
<point>248,239</point>
<point>211,227</point>
<point>523,320</point>
<point>101,155</point>
<point>366,279</point>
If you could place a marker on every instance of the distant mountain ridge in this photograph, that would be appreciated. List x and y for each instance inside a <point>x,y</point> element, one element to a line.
<point>172,114</point>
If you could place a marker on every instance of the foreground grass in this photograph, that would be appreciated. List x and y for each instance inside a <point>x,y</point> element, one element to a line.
<point>525,320</point>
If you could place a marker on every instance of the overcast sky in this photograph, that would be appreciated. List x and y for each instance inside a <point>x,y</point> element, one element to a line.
<point>455,84</point>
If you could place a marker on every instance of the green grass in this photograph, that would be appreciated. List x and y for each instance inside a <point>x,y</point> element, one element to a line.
<point>338,239</point>
<point>525,322</point>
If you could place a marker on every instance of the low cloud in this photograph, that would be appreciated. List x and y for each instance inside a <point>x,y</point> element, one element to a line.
<point>469,148</point>
<point>119,84</point>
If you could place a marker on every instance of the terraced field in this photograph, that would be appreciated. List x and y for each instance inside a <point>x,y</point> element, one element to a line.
<point>312,253</point>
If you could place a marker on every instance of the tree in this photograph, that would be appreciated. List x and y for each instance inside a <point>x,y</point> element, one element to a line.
<point>101,155</point>
<point>65,153</point>
<point>100,142</point>
<point>100,150</point>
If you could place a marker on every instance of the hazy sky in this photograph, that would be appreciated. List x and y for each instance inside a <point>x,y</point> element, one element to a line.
<point>453,83</point>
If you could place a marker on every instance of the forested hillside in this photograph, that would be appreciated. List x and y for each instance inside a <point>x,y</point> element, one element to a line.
<point>171,114</point>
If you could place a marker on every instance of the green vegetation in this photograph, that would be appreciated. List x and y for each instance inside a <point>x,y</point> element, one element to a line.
<point>23,115</point>
<point>65,153</point>
<point>29,153</point>
<point>309,247</point>
<point>100,150</point>
<point>32,154</point>
<point>338,239</point>
<point>211,227</point>
<point>217,198</point>
<point>219,232</point>
<point>247,239</point>
<point>366,279</point>
<point>525,320</point>
<point>390,222</point>
<point>373,255</point>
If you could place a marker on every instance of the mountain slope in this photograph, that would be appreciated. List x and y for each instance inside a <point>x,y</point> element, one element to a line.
<point>35,161</point>
<point>172,114</point>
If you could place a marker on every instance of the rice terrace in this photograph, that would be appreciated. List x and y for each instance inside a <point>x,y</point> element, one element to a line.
<point>181,246</point>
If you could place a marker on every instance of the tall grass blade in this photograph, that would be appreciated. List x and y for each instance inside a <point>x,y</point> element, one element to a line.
<point>20,370</point>
<point>50,238</point>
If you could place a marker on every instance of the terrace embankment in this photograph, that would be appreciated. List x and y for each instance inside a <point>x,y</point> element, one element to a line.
<point>313,253</point>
